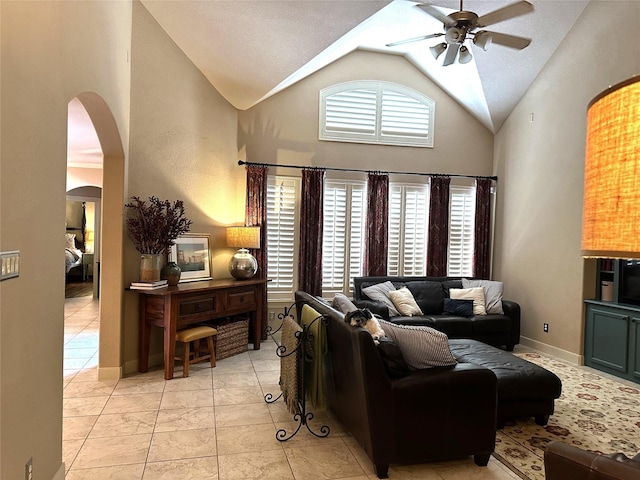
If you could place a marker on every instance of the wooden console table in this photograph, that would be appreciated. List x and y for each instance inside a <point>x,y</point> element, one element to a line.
<point>176,307</point>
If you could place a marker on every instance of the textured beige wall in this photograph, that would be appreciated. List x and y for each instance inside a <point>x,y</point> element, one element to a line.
<point>541,164</point>
<point>182,146</point>
<point>284,128</point>
<point>40,74</point>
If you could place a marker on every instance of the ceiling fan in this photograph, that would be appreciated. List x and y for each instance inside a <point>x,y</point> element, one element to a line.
<point>461,25</point>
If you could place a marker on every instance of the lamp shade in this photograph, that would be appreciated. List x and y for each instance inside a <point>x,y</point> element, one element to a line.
<point>243,237</point>
<point>465,55</point>
<point>611,208</point>
<point>482,39</point>
<point>438,50</point>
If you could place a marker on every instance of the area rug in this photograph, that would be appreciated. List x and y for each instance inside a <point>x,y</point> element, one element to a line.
<point>593,413</point>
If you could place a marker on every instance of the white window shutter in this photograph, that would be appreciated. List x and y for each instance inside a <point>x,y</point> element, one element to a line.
<point>367,111</point>
<point>356,227</point>
<point>404,116</point>
<point>415,231</point>
<point>334,236</point>
<point>352,111</point>
<point>282,214</point>
<point>461,231</point>
<point>342,235</point>
<point>408,212</point>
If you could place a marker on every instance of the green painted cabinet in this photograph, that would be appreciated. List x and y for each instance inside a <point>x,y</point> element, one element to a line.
<point>612,339</point>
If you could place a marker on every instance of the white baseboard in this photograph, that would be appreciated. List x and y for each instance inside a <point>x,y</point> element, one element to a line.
<point>60,473</point>
<point>132,365</point>
<point>565,355</point>
<point>109,373</point>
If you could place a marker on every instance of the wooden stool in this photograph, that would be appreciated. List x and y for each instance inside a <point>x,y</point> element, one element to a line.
<point>195,335</point>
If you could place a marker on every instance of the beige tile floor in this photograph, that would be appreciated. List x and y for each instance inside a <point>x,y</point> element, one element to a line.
<point>212,425</point>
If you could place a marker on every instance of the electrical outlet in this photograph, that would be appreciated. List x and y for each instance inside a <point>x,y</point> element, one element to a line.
<point>272,316</point>
<point>545,327</point>
<point>28,470</point>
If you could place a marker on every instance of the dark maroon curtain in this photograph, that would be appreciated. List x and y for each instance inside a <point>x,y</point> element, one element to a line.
<point>482,230</point>
<point>256,212</point>
<point>377,225</point>
<point>438,240</point>
<point>311,218</point>
<point>256,215</point>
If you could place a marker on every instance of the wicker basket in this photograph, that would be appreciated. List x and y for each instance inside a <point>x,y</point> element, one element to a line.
<point>232,338</point>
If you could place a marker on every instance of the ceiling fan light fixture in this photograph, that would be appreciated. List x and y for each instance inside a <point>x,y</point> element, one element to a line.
<point>438,49</point>
<point>482,39</point>
<point>465,55</point>
<point>455,35</point>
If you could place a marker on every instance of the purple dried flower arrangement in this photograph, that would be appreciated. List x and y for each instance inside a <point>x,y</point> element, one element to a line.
<point>155,225</point>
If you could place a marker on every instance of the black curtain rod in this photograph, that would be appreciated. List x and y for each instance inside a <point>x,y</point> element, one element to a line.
<point>255,164</point>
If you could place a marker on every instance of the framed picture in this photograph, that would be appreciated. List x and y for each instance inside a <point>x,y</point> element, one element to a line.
<point>191,253</point>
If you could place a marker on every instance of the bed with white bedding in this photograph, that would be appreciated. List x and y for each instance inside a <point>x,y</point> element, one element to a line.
<point>73,255</point>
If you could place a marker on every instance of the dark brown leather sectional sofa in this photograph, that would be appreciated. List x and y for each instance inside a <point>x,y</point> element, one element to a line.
<point>428,415</point>
<point>567,462</point>
<point>493,329</point>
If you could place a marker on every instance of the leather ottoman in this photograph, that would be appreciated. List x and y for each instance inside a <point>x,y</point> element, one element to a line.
<point>524,389</point>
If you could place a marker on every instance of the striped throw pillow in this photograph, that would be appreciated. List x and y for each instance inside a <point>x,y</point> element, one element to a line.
<point>421,347</point>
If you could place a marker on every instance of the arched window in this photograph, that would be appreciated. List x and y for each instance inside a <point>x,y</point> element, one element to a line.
<point>376,112</point>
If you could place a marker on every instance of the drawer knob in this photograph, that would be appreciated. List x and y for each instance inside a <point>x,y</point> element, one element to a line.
<point>242,299</point>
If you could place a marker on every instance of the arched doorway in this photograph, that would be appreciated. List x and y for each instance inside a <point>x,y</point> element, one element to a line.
<point>111,238</point>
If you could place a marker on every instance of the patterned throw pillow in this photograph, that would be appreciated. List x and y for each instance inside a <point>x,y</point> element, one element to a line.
<point>476,294</point>
<point>492,293</point>
<point>422,347</point>
<point>378,292</point>
<point>404,302</point>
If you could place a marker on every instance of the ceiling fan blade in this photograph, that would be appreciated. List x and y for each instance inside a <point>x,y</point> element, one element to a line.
<point>415,39</point>
<point>505,13</point>
<point>452,52</point>
<point>437,14</point>
<point>507,40</point>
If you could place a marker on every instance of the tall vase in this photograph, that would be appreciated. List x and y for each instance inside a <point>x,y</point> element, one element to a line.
<point>150,266</point>
<point>171,272</point>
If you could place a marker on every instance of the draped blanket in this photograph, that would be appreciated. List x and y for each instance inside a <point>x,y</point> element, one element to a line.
<point>289,365</point>
<point>315,349</point>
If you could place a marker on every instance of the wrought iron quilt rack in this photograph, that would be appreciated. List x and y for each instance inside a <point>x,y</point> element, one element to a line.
<point>303,355</point>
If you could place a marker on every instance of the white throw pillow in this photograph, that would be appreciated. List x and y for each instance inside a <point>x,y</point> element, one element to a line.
<point>421,347</point>
<point>476,294</point>
<point>492,293</point>
<point>404,302</point>
<point>378,292</point>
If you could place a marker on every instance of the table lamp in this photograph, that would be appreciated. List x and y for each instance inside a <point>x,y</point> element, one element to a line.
<point>243,265</point>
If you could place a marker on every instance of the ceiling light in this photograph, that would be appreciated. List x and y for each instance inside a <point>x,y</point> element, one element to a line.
<point>438,50</point>
<point>611,207</point>
<point>482,39</point>
<point>465,55</point>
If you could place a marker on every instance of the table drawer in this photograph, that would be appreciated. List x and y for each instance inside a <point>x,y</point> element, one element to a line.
<point>241,299</point>
<point>197,305</point>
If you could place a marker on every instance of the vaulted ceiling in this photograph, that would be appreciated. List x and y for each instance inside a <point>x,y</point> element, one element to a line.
<point>250,50</point>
